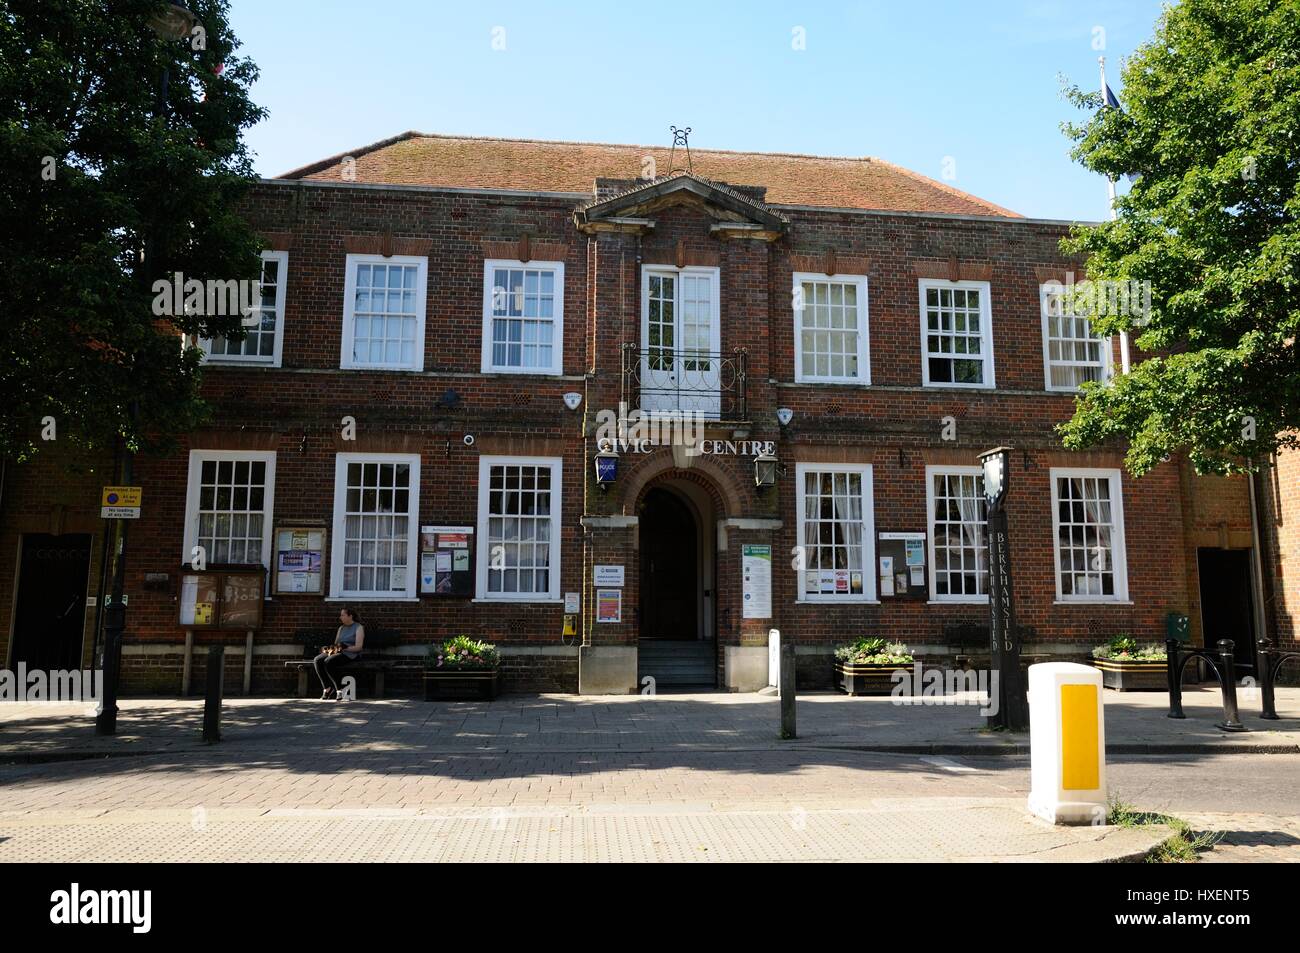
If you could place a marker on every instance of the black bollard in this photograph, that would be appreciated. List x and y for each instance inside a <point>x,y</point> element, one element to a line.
<point>1228,684</point>
<point>1264,662</point>
<point>1175,672</point>
<point>212,698</point>
<point>787,690</point>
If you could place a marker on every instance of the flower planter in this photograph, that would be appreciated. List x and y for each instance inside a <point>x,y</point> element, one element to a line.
<point>463,685</point>
<point>1127,676</point>
<point>857,679</point>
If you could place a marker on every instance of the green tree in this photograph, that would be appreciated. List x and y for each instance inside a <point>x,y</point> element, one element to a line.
<point>1210,123</point>
<point>109,184</point>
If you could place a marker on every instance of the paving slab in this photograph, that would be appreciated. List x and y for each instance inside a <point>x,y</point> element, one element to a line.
<point>1136,722</point>
<point>958,830</point>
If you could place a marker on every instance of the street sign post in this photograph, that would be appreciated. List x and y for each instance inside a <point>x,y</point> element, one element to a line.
<point>120,503</point>
<point>1013,707</point>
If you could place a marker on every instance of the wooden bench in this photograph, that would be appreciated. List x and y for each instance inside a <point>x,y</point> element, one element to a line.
<point>376,664</point>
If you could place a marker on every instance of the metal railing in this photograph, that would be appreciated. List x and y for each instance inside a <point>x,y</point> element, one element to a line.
<point>710,383</point>
<point>1271,658</point>
<point>1220,661</point>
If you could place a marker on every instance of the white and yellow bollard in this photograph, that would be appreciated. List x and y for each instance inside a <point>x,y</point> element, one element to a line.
<point>1067,744</point>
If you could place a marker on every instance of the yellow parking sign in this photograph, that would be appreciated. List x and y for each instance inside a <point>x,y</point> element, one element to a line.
<point>120,503</point>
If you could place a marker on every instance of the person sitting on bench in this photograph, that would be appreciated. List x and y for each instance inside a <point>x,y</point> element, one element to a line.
<point>347,648</point>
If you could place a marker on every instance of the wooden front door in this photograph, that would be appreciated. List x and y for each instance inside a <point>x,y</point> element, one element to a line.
<point>50,618</point>
<point>670,575</point>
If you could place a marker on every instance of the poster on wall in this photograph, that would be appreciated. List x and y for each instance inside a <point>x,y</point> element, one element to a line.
<point>607,576</point>
<point>609,605</point>
<point>757,576</point>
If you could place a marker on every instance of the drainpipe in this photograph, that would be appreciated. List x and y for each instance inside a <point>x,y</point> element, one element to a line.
<point>1256,562</point>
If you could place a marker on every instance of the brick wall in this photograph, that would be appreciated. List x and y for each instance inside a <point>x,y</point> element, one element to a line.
<point>1278,488</point>
<point>895,424</point>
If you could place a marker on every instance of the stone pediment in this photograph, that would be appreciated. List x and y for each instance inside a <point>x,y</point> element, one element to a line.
<point>631,205</point>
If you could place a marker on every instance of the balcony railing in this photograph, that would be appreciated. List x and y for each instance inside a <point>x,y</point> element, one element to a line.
<point>711,384</point>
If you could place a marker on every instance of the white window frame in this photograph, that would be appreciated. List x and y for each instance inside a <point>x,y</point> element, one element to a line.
<point>261,360</point>
<point>931,472</point>
<point>338,527</point>
<point>346,361</point>
<point>485,464</point>
<point>557,349</point>
<point>870,570</point>
<point>706,401</point>
<point>986,331</point>
<point>1044,291</point>
<point>197,458</point>
<point>1119,552</point>
<point>864,340</point>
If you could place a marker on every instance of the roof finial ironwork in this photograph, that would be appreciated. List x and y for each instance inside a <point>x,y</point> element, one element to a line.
<point>681,137</point>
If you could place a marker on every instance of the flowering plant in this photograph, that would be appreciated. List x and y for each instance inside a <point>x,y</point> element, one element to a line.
<point>873,651</point>
<point>1125,648</point>
<point>462,654</point>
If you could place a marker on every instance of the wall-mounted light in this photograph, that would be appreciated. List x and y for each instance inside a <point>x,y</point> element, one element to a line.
<point>765,470</point>
<point>606,462</point>
<point>572,400</point>
<point>784,415</point>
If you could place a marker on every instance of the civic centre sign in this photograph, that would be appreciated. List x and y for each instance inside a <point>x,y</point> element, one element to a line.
<point>728,448</point>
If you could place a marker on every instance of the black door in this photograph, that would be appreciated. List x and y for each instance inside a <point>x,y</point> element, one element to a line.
<point>670,577</point>
<point>51,614</point>
<point>1227,610</point>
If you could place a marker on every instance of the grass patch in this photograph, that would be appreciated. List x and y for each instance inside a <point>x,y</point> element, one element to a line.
<point>1183,847</point>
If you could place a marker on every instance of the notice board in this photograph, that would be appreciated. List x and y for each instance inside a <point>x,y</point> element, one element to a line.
<point>901,570</point>
<point>447,560</point>
<point>222,598</point>
<point>299,559</point>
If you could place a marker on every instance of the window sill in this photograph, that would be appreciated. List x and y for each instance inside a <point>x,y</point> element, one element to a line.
<point>388,368</point>
<point>833,382</point>
<point>837,602</point>
<point>957,602</point>
<point>521,371</point>
<point>369,598</point>
<point>1092,602</point>
<point>226,362</point>
<point>518,602</point>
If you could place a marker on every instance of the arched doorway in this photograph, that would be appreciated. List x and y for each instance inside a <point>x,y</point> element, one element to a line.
<point>677,571</point>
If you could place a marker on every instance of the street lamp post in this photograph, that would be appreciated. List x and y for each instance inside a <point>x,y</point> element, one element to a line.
<point>1012,707</point>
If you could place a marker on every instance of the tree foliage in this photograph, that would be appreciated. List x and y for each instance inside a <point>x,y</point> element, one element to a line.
<point>1210,124</point>
<point>109,185</point>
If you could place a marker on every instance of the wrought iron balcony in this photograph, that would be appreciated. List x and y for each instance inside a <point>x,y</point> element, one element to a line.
<point>711,384</point>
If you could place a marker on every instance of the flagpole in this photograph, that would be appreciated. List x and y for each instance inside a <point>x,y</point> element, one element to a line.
<point>1110,192</point>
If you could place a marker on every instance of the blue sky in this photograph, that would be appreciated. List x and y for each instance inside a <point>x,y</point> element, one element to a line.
<point>915,83</point>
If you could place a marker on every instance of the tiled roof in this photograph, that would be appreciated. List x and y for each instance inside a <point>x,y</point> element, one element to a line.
<point>533,165</point>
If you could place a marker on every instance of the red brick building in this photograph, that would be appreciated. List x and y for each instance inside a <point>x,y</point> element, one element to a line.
<point>413,429</point>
